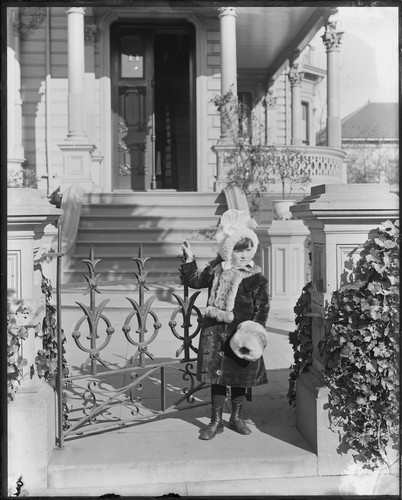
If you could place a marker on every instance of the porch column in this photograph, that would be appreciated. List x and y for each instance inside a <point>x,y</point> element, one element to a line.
<point>332,41</point>
<point>227,17</point>
<point>340,218</point>
<point>295,76</point>
<point>15,149</point>
<point>76,148</point>
<point>76,73</point>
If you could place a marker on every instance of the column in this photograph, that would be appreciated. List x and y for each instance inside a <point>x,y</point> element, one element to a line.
<point>76,73</point>
<point>15,149</point>
<point>77,149</point>
<point>227,17</point>
<point>295,76</point>
<point>332,41</point>
<point>91,37</point>
<point>340,218</point>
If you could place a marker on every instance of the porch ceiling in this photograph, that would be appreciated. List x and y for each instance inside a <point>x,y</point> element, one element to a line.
<point>266,36</point>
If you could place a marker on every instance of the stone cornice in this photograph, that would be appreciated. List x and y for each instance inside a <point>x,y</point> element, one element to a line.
<point>331,203</point>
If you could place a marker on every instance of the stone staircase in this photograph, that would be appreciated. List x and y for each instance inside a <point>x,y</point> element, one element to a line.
<point>115,224</point>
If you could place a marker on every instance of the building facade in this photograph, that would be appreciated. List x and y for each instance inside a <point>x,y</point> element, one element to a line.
<point>120,98</point>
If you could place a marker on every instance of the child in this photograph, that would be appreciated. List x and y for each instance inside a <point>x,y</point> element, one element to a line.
<point>237,293</point>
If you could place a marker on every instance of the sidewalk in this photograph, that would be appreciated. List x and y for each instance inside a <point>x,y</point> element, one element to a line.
<point>165,455</point>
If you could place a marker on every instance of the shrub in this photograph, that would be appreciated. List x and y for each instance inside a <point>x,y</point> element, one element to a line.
<point>360,350</point>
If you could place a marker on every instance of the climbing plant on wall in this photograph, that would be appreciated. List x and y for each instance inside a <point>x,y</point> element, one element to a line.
<point>46,358</point>
<point>301,341</point>
<point>360,350</point>
<point>16,333</point>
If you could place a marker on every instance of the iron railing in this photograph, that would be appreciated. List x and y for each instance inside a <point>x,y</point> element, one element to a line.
<point>91,401</point>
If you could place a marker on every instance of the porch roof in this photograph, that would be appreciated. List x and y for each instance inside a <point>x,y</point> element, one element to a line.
<point>267,37</point>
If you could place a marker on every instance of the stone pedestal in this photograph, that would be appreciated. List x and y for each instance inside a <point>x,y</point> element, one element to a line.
<point>340,218</point>
<point>286,259</point>
<point>77,161</point>
<point>32,413</point>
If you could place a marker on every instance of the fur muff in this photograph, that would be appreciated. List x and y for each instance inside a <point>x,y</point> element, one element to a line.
<point>249,340</point>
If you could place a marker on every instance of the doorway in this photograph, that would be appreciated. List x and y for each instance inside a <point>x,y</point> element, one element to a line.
<point>153,107</point>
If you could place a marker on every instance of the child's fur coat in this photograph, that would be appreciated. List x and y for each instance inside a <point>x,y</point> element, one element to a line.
<point>217,363</point>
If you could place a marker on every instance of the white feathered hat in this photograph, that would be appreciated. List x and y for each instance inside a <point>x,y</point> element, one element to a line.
<point>234,226</point>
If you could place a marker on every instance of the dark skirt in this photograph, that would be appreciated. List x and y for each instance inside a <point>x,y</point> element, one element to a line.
<point>217,363</point>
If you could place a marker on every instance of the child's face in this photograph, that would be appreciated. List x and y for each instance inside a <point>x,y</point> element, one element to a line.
<point>242,257</point>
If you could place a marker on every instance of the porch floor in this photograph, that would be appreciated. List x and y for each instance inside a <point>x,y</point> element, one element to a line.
<point>165,456</point>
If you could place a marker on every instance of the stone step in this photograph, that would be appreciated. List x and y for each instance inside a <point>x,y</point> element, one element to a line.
<point>163,270</point>
<point>292,487</point>
<point>157,209</point>
<point>125,246</point>
<point>168,451</point>
<point>122,221</point>
<point>165,196</point>
<point>115,224</point>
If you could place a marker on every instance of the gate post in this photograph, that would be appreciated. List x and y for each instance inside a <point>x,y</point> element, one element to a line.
<point>339,218</point>
<point>32,413</point>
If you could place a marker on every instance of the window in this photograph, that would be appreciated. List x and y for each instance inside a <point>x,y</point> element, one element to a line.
<point>132,57</point>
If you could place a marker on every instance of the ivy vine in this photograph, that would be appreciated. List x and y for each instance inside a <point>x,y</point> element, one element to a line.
<point>301,341</point>
<point>16,332</point>
<point>46,358</point>
<point>360,350</point>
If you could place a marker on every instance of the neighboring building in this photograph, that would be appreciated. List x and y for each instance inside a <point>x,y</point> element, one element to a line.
<point>370,137</point>
<point>117,100</point>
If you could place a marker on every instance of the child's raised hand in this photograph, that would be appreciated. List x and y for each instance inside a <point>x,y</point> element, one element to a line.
<point>187,251</point>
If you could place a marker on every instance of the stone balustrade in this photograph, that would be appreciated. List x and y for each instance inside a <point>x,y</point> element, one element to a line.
<point>326,165</point>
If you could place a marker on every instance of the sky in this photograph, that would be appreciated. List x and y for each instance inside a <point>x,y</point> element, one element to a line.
<point>368,57</point>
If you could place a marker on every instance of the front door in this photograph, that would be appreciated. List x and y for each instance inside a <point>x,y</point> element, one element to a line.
<point>153,107</point>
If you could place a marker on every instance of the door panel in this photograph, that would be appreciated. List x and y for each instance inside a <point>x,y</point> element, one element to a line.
<point>134,137</point>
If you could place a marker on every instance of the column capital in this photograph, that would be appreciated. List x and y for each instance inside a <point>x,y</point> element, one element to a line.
<point>227,11</point>
<point>269,100</point>
<point>90,32</point>
<point>332,38</point>
<point>295,75</point>
<point>75,10</point>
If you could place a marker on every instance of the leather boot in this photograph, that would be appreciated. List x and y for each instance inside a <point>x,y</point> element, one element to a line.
<point>236,421</point>
<point>215,426</point>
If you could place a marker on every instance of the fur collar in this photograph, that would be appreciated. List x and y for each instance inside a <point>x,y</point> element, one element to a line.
<point>224,290</point>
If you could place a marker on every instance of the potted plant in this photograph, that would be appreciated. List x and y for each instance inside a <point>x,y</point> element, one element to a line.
<point>247,156</point>
<point>254,165</point>
<point>290,166</point>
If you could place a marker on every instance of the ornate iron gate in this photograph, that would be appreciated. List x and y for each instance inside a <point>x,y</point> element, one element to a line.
<point>92,401</point>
